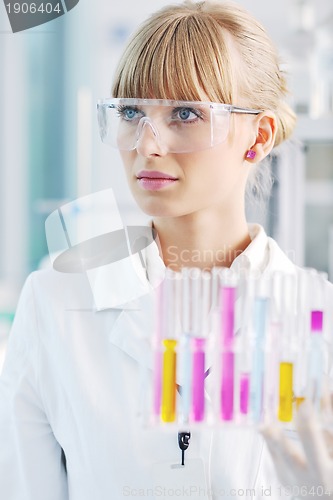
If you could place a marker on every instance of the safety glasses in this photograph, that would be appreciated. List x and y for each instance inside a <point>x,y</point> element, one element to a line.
<point>175,126</point>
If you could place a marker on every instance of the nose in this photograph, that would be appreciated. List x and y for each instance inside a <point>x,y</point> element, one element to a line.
<point>148,141</point>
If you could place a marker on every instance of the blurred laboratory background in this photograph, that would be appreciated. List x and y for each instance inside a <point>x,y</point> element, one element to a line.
<point>50,150</point>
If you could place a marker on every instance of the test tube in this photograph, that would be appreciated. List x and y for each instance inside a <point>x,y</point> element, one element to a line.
<point>261,303</point>
<point>316,352</point>
<point>184,358</point>
<point>244,393</point>
<point>272,367</point>
<point>198,379</point>
<point>157,349</point>
<point>300,374</point>
<point>316,360</point>
<point>198,317</point>
<point>243,349</point>
<point>168,404</point>
<point>257,375</point>
<point>168,413</point>
<point>228,297</point>
<point>286,369</point>
<point>199,349</point>
<point>184,370</point>
<point>272,354</point>
<point>213,348</point>
<point>286,392</point>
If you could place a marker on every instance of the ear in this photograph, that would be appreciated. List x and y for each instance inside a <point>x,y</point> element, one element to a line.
<point>265,129</point>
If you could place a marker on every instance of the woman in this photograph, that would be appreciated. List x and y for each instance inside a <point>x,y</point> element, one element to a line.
<point>70,387</point>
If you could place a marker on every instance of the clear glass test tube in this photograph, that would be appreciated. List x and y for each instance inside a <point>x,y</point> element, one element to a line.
<point>185,376</point>
<point>198,379</point>
<point>242,344</point>
<point>169,343</point>
<point>316,359</point>
<point>285,413</point>
<point>168,410</point>
<point>244,393</point>
<point>185,355</point>
<point>157,351</point>
<point>258,365</point>
<point>302,331</point>
<point>288,341</point>
<point>228,297</point>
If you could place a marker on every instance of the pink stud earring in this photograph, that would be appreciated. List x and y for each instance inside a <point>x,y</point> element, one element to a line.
<point>251,154</point>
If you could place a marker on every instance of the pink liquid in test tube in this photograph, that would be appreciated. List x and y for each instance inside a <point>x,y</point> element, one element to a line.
<point>227,389</point>
<point>244,392</point>
<point>228,295</point>
<point>198,379</point>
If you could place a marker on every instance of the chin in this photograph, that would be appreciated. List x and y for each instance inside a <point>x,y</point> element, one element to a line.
<point>158,212</point>
<point>156,208</point>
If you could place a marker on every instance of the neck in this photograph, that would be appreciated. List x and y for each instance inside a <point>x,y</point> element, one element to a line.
<point>202,240</point>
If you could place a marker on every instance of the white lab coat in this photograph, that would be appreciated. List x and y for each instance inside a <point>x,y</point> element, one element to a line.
<point>70,388</point>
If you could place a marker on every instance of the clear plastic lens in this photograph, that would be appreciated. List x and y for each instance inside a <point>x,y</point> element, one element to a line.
<point>178,126</point>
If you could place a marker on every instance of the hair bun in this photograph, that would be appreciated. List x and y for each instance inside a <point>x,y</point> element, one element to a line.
<point>286,122</point>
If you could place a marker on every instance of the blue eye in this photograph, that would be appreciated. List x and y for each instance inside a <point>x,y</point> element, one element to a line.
<point>129,113</point>
<point>184,113</point>
<point>188,115</point>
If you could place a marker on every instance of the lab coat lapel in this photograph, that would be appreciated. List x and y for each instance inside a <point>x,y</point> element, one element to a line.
<point>278,260</point>
<point>133,330</point>
<point>120,284</point>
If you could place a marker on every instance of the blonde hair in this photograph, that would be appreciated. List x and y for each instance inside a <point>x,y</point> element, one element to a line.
<point>183,51</point>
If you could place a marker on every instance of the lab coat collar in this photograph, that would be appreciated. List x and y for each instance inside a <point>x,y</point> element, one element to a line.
<point>121,284</point>
<point>139,275</point>
<point>255,257</point>
<point>262,254</point>
<point>133,330</point>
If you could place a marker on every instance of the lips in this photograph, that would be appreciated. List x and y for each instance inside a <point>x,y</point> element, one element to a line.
<point>152,174</point>
<point>154,181</point>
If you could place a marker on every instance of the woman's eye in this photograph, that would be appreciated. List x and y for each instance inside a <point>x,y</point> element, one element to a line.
<point>128,113</point>
<point>186,114</point>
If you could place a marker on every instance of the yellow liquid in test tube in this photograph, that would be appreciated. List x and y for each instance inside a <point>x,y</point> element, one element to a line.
<point>286,392</point>
<point>168,413</point>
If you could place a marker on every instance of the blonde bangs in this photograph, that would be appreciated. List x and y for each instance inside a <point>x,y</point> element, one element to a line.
<point>185,58</point>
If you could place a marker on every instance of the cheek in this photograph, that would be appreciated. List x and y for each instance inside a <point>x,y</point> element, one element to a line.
<point>128,159</point>
<point>216,173</point>
<point>211,166</point>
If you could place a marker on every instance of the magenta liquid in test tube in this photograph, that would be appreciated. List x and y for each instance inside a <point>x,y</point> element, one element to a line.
<point>198,379</point>
<point>316,361</point>
<point>243,356</point>
<point>228,295</point>
<point>244,393</point>
<point>227,388</point>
